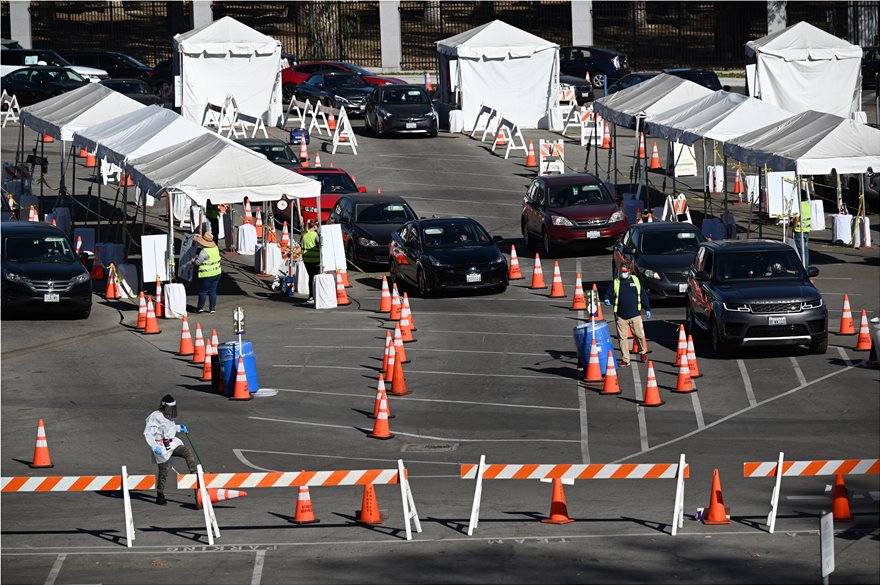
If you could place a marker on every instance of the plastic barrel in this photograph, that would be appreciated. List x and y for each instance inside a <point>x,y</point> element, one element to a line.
<point>583,340</point>
<point>229,353</point>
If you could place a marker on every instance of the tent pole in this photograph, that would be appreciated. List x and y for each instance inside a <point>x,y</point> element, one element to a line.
<point>665,174</point>
<point>725,183</point>
<point>705,179</point>
<point>171,263</point>
<point>126,239</point>
<point>614,147</point>
<point>608,167</point>
<point>42,178</point>
<point>671,158</point>
<point>587,159</point>
<point>761,205</point>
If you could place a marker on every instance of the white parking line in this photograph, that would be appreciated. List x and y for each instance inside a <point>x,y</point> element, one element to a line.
<point>410,348</point>
<point>474,201</point>
<point>433,171</point>
<point>56,568</point>
<point>698,410</point>
<point>844,356</point>
<point>747,382</point>
<point>238,455</point>
<point>582,401</point>
<point>258,567</point>
<point>640,411</point>
<point>382,330</point>
<point>422,372</point>
<point>798,371</point>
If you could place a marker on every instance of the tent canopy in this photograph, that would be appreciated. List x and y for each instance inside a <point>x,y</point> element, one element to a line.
<point>720,116</point>
<point>649,98</point>
<point>225,36</point>
<point>810,143</point>
<point>75,110</point>
<point>494,40</point>
<point>210,167</point>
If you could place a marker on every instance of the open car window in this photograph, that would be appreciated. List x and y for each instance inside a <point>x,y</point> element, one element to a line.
<point>455,235</point>
<point>761,265</point>
<point>571,195</point>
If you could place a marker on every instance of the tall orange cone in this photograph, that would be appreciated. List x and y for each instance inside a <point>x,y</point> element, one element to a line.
<point>652,392</point>
<point>406,335</point>
<point>160,308</point>
<point>635,347</point>
<point>595,292</point>
<point>558,509</point>
<point>684,384</point>
<point>380,394</point>
<point>285,238</point>
<point>398,384</point>
<point>428,85</point>
<point>389,342</point>
<point>394,314</point>
<point>399,351</point>
<point>840,503</point>
<point>142,312</point>
<point>220,495</point>
<point>593,372</point>
<point>385,299</point>
<point>125,181</point>
<point>369,512</point>
<point>716,513</point>
<point>331,122</point>
<point>682,349</point>
<point>847,327</point>
<point>198,356</point>
<point>82,153</point>
<point>863,343</point>
<point>91,161</point>
<point>390,358</point>
<point>79,245</point>
<point>259,224</point>
<point>33,215</point>
<point>538,275</point>
<point>404,304</point>
<point>738,182</point>
<point>345,281</point>
<point>248,214</point>
<point>692,359</point>
<point>215,340</point>
<point>531,162</point>
<point>151,327</point>
<point>655,158</point>
<point>341,295</point>
<point>303,154</point>
<point>41,451</point>
<point>304,513</point>
<point>317,160</point>
<point>206,366</point>
<point>578,301</point>
<point>111,292</point>
<point>46,138</point>
<point>642,154</point>
<point>381,428</point>
<point>606,140</point>
<point>240,391</point>
<point>186,342</point>
<point>514,273</point>
<point>556,289</point>
<point>611,385</point>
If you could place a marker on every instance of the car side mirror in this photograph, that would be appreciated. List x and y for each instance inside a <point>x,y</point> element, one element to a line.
<point>813,271</point>
<point>701,275</point>
<point>628,257</point>
<point>362,189</point>
<point>89,256</point>
<point>497,239</point>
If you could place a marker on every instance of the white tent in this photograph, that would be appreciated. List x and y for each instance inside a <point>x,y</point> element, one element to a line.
<point>719,116</point>
<point>803,68</point>
<point>810,143</point>
<point>648,99</point>
<point>503,67</point>
<point>224,58</point>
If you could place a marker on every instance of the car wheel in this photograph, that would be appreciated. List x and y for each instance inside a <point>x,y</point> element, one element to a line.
<point>547,245</point>
<point>820,347</point>
<point>424,288</point>
<point>501,289</point>
<point>351,254</point>
<point>288,90</point>
<point>719,348</point>
<point>392,273</point>
<point>598,78</point>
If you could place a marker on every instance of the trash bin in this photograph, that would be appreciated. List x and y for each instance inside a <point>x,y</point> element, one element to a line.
<point>583,339</point>
<point>229,354</point>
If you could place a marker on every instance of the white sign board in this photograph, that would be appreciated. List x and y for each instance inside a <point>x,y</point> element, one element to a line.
<point>782,194</point>
<point>332,250</point>
<point>154,258</point>
<point>826,534</point>
<point>685,160</point>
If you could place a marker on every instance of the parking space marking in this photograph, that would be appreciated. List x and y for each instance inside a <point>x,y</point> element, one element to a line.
<point>258,567</point>
<point>698,410</point>
<point>844,356</point>
<point>747,382</point>
<point>640,411</point>
<point>239,455</point>
<point>498,315</point>
<point>797,370</point>
<point>432,171</point>
<point>416,349</point>
<point>56,568</point>
<point>380,329</point>
<point>473,201</point>
<point>436,373</point>
<point>582,400</point>
<point>365,430</point>
<point>478,158</point>
<point>440,400</point>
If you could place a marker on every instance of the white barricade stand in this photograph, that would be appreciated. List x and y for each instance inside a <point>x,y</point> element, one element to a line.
<point>319,120</point>
<point>211,116</point>
<point>487,127</point>
<point>863,232</point>
<point>676,209</point>
<point>714,178</point>
<point>207,507</point>
<point>299,111</point>
<point>591,125</point>
<point>569,473</point>
<point>247,239</point>
<point>571,118</point>
<point>809,468</point>
<point>174,297</point>
<point>512,136</point>
<point>551,156</point>
<point>255,122</point>
<point>12,109</point>
<point>343,135</point>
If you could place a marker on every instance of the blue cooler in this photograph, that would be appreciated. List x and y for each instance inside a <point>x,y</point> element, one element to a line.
<point>229,353</point>
<point>583,340</point>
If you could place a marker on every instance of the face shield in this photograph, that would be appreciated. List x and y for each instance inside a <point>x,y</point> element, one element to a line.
<point>168,407</point>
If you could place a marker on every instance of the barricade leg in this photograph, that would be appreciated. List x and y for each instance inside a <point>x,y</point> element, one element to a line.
<point>478,493</point>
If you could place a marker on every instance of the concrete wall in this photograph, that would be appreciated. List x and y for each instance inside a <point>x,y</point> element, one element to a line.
<point>202,13</point>
<point>20,22</point>
<point>389,27</point>
<point>582,22</point>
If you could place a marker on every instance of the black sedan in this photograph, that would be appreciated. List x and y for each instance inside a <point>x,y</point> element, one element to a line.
<point>277,151</point>
<point>368,222</point>
<point>337,90</point>
<point>137,89</point>
<point>35,84</point>
<point>445,254</point>
<point>401,108</point>
<point>662,253</point>
<point>602,64</point>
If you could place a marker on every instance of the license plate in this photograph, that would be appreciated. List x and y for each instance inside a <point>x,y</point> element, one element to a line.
<point>475,277</point>
<point>776,320</point>
<point>682,288</point>
<point>410,125</point>
<point>592,235</point>
<point>51,298</point>
<point>585,94</point>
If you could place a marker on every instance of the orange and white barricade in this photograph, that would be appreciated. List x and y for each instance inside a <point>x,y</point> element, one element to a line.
<point>513,138</point>
<point>483,122</point>
<point>288,479</point>
<point>551,156</point>
<point>592,127</point>
<point>676,209</point>
<point>12,109</point>
<point>343,135</point>
<point>85,483</point>
<point>567,95</point>
<point>568,473</point>
<point>809,468</point>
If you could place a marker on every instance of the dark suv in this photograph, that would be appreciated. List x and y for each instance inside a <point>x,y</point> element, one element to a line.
<point>117,65</point>
<point>753,293</point>
<point>602,64</point>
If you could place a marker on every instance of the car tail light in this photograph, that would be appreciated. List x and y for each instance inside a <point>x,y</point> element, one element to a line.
<point>616,61</point>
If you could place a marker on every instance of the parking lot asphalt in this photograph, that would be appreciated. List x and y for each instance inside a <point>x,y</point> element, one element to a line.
<point>492,375</point>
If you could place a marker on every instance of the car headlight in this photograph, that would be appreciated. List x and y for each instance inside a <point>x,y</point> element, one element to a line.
<point>80,278</point>
<point>741,307</point>
<point>618,215</point>
<point>17,278</point>
<point>367,242</point>
<point>814,304</point>
<point>434,262</point>
<point>342,99</point>
<point>559,220</point>
<point>654,275</point>
<point>498,260</point>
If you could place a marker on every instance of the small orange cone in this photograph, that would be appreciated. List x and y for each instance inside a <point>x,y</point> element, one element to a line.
<point>716,514</point>
<point>578,301</point>
<point>46,138</point>
<point>655,158</point>
<point>160,309</point>
<point>642,146</point>
<point>317,160</point>
<point>304,513</point>
<point>380,394</point>
<point>738,182</point>
<point>186,343</point>
<point>381,429</point>
<point>398,384</point>
<point>240,391</point>
<point>369,512</point>
<point>259,224</point>
<point>345,281</point>
<point>206,366</point>
<point>215,340</point>
<point>684,384</point>
<point>840,504</point>
<point>399,351</point>
<point>682,349</point>
<point>389,342</point>
<point>394,314</point>
<point>248,214</point>
<point>405,305</point>
<point>285,238</point>
<point>341,295</point>
<point>863,343</point>
<point>41,451</point>
<point>151,327</point>
<point>558,509</point>
<point>599,315</point>
<point>125,181</point>
<point>220,495</point>
<point>198,356</point>
<point>538,274</point>
<point>428,85</point>
<point>111,292</point>
<point>556,289</point>
<point>142,312</point>
<point>692,359</point>
<point>91,161</point>
<point>79,245</point>
<point>847,327</point>
<point>406,335</point>
<point>652,392</point>
<point>331,122</point>
<point>390,358</point>
<point>611,385</point>
<point>593,373</point>
<point>385,299</point>
<point>606,140</point>
<point>303,154</point>
<point>635,347</point>
<point>499,139</point>
<point>32,214</point>
<point>82,153</point>
<point>531,162</point>
<point>514,273</point>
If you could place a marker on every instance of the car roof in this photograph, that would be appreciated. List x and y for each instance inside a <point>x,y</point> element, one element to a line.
<point>746,245</point>
<point>41,68</point>
<point>119,80</point>
<point>425,221</point>
<point>571,179</point>
<point>320,171</point>
<point>664,226</point>
<point>674,70</point>
<point>397,86</point>
<point>259,141</point>
<point>593,48</point>
<point>31,227</point>
<point>367,198</point>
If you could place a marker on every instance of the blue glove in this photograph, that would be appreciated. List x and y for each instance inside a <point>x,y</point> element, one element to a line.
<point>183,429</point>
<point>158,451</point>
<point>647,314</point>
<point>608,302</point>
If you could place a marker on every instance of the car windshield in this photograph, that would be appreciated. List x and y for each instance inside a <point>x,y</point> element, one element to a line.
<point>761,265</point>
<point>335,183</point>
<point>356,69</point>
<point>346,81</point>
<point>38,248</point>
<point>669,242</point>
<point>584,194</point>
<point>63,75</point>
<point>631,79</point>
<point>129,60</point>
<point>275,152</point>
<point>396,213</point>
<point>129,87</point>
<point>405,96</point>
<point>455,235</point>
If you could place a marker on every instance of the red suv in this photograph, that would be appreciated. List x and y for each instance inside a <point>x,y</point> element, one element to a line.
<point>293,76</point>
<point>334,184</point>
<point>568,209</point>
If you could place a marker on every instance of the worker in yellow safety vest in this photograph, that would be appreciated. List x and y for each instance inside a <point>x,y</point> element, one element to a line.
<point>629,298</point>
<point>802,225</point>
<point>208,262</point>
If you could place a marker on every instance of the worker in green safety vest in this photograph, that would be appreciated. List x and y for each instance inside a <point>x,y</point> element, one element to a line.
<point>802,225</point>
<point>629,299</point>
<point>208,262</point>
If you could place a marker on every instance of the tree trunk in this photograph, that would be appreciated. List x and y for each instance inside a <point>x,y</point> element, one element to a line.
<point>321,21</point>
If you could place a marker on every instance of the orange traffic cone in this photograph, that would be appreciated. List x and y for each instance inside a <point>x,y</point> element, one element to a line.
<point>198,356</point>
<point>259,224</point>
<point>652,392</point>
<point>398,384</point>
<point>642,146</point>
<point>406,335</point>
<point>186,343</point>
<point>160,309</point>
<point>345,281</point>
<point>738,182</point>
<point>405,305</point>
<point>215,340</point>
<point>151,327</point>
<point>369,512</point>
<point>240,391</point>
<point>285,238</point>
<point>390,358</point>
<point>111,292</point>
<point>381,429</point>
<point>684,384</point>
<point>82,153</point>
<point>125,181</point>
<point>611,385</point>
<point>399,351</point>
<point>692,359</point>
<point>317,160</point>
<point>46,138</point>
<point>303,154</point>
<point>655,158</point>
<point>142,312</point>
<point>91,161</point>
<point>595,292</point>
<point>41,451</point>
<point>635,347</point>
<point>385,299</point>
<point>304,513</point>
<point>499,139</point>
<point>206,366</point>
<point>388,342</point>
<point>606,140</point>
<point>380,394</point>
<point>32,214</point>
<point>538,274</point>
<point>863,343</point>
<point>428,85</point>
<point>331,122</point>
<point>717,513</point>
<point>531,161</point>
<point>248,214</point>
<point>556,289</point>
<point>847,327</point>
<point>514,273</point>
<point>341,295</point>
<point>639,215</point>
<point>681,350</point>
<point>578,301</point>
<point>593,373</point>
<point>840,504</point>
<point>394,314</point>
<point>220,495</point>
<point>558,509</point>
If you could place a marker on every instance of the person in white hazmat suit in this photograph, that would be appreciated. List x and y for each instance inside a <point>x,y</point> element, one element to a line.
<point>160,433</point>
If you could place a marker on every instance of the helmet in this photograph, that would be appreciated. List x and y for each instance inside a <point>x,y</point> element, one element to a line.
<point>168,407</point>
